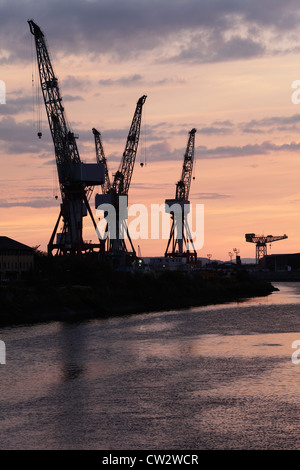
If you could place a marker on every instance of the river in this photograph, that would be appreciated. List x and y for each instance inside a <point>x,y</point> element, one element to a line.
<point>219,377</point>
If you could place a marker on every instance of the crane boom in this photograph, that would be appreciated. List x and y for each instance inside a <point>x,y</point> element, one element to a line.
<point>184,184</point>
<point>262,239</point>
<point>65,145</point>
<point>100,156</point>
<point>76,179</point>
<point>123,176</point>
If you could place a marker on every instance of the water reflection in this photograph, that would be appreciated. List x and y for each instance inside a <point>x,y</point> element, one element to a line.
<point>72,350</point>
<point>204,378</point>
<point>288,293</point>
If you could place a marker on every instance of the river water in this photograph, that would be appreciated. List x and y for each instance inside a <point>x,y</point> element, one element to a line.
<point>218,377</point>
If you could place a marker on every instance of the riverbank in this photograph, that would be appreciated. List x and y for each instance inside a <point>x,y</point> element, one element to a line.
<point>278,276</point>
<point>56,291</point>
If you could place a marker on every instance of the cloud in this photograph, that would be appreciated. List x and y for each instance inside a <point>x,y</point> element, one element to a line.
<point>210,196</point>
<point>70,82</point>
<point>33,203</point>
<point>73,98</point>
<point>123,81</point>
<point>271,124</point>
<point>212,130</point>
<point>161,151</point>
<point>226,123</point>
<point>247,150</point>
<point>16,105</point>
<point>252,130</point>
<point>168,82</point>
<point>275,120</point>
<point>147,187</point>
<point>20,137</point>
<point>193,31</point>
<point>215,49</point>
<point>139,79</point>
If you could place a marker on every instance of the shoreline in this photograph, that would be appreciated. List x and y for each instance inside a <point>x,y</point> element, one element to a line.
<point>78,295</point>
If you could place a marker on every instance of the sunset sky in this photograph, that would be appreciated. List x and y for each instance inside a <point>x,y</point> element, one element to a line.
<point>225,67</point>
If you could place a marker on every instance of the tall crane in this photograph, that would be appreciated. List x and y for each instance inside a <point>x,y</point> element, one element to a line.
<point>75,178</point>
<point>116,193</point>
<point>179,207</point>
<point>261,242</point>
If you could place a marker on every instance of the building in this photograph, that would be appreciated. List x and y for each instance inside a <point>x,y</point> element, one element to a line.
<point>15,258</point>
<point>282,262</point>
<point>162,263</point>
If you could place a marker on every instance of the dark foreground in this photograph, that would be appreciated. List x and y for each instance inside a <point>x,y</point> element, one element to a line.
<point>75,289</point>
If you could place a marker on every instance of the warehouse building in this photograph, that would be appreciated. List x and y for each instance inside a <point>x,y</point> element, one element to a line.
<point>282,262</point>
<point>15,258</point>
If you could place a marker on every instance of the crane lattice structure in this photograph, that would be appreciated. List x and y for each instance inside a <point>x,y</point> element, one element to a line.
<point>76,179</point>
<point>261,242</point>
<point>115,194</point>
<point>100,157</point>
<point>178,208</point>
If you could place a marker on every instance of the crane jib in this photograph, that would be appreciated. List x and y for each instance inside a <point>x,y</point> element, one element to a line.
<point>123,176</point>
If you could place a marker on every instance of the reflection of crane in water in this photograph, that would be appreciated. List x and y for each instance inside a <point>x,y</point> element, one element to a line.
<point>261,243</point>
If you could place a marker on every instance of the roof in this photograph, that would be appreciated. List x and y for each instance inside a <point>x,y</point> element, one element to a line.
<point>7,243</point>
<point>282,254</point>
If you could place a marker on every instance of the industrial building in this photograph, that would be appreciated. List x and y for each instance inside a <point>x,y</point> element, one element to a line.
<point>282,262</point>
<point>15,258</point>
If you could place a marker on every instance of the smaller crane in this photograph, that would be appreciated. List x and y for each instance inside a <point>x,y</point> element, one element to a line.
<point>180,231</point>
<point>100,157</point>
<point>261,243</point>
<point>115,194</point>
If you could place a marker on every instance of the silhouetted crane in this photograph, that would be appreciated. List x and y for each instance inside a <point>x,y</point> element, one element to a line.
<point>75,178</point>
<point>117,191</point>
<point>179,207</point>
<point>261,242</point>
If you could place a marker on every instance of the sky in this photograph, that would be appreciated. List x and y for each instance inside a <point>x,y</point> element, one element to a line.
<point>224,67</point>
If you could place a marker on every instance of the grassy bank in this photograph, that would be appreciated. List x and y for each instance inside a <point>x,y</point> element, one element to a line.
<point>73,289</point>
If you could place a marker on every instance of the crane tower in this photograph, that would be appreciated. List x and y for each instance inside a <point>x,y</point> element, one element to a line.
<point>261,242</point>
<point>76,179</point>
<point>115,194</point>
<point>179,207</point>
